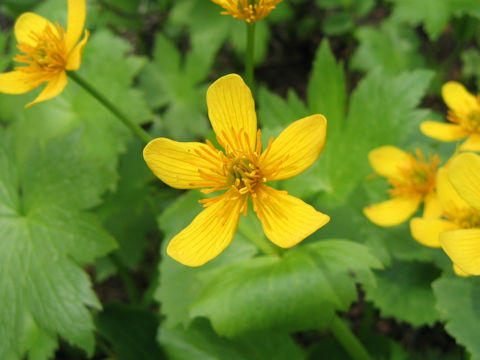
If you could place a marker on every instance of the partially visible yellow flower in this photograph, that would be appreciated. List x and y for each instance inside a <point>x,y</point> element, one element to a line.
<point>463,244</point>
<point>464,115</point>
<point>248,10</point>
<point>457,231</point>
<point>48,51</point>
<point>241,170</point>
<point>412,180</point>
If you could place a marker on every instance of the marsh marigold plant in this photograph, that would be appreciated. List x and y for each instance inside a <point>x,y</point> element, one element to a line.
<point>413,182</point>
<point>463,117</point>
<point>240,170</point>
<point>248,10</point>
<point>47,51</point>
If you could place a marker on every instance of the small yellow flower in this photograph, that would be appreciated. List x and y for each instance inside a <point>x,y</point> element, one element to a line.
<point>457,231</point>
<point>462,242</point>
<point>412,180</point>
<point>248,10</point>
<point>464,115</point>
<point>241,169</point>
<point>48,51</point>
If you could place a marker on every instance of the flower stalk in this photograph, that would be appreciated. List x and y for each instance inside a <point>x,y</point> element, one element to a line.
<point>348,340</point>
<point>258,240</point>
<point>137,130</point>
<point>249,66</point>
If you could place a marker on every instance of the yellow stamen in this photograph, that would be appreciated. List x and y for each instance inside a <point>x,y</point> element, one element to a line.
<point>418,178</point>
<point>248,10</point>
<point>47,58</point>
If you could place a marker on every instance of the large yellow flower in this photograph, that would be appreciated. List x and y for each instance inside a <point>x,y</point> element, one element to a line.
<point>248,10</point>
<point>241,170</point>
<point>463,244</point>
<point>413,181</point>
<point>48,51</point>
<point>464,115</point>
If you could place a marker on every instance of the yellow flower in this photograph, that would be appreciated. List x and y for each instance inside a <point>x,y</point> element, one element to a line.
<point>413,181</point>
<point>462,244</point>
<point>248,10</point>
<point>48,51</point>
<point>458,230</point>
<point>241,170</point>
<point>464,115</point>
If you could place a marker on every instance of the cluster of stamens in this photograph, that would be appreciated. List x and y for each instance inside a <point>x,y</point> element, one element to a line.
<point>48,56</point>
<point>465,218</point>
<point>418,178</point>
<point>470,122</point>
<point>248,10</point>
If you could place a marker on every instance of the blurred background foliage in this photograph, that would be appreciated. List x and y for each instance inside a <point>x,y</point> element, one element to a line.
<point>83,269</point>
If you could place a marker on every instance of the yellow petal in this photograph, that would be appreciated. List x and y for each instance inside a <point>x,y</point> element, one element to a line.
<point>54,87</point>
<point>427,231</point>
<point>388,160</point>
<point>208,234</point>
<point>177,163</point>
<point>392,212</point>
<point>231,109</point>
<point>459,271</point>
<point>450,200</point>
<point>463,247</point>
<point>74,59</point>
<point>472,143</point>
<point>464,174</point>
<point>76,22</point>
<point>432,207</point>
<point>29,23</point>
<point>443,131</point>
<point>17,82</point>
<point>286,220</point>
<point>295,149</point>
<point>458,98</point>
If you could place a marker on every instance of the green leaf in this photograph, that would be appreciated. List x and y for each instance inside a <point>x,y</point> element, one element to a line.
<point>275,113</point>
<point>128,211</point>
<point>200,342</point>
<point>168,84</point>
<point>458,299</point>
<point>6,50</point>
<point>44,238</point>
<point>434,14</point>
<point>393,47</point>
<point>338,23</point>
<point>130,331</point>
<point>312,282</point>
<point>471,59</point>
<point>326,90</point>
<point>38,343</point>
<point>404,291</point>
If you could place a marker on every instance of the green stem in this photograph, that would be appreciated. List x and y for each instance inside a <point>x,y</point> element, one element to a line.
<point>258,240</point>
<point>249,76</point>
<point>137,130</point>
<point>348,340</point>
<point>127,279</point>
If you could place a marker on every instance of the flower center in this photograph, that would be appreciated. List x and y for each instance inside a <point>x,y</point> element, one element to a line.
<point>418,178</point>
<point>465,218</point>
<point>471,121</point>
<point>47,56</point>
<point>243,175</point>
<point>249,10</point>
